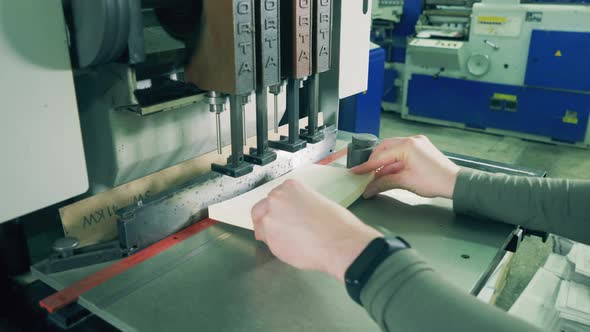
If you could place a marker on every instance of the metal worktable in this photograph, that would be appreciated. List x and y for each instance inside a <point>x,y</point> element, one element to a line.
<point>223,280</point>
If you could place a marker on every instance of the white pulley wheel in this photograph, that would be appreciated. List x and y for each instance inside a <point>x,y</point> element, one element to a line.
<point>478,64</point>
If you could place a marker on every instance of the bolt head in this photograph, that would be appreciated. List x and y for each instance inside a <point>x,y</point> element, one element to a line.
<point>364,140</point>
<point>66,243</point>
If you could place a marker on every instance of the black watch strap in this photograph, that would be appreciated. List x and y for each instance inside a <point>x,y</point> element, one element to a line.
<point>363,267</point>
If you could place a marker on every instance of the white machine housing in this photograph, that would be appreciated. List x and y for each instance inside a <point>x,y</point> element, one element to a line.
<point>493,53</point>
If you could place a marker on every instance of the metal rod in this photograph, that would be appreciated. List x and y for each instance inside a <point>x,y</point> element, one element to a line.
<point>314,103</point>
<point>276,119</point>
<point>244,123</point>
<point>261,120</point>
<point>218,123</point>
<point>236,114</point>
<point>293,109</point>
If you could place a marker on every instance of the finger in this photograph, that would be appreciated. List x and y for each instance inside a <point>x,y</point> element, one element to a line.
<point>394,168</point>
<point>380,185</point>
<point>385,145</point>
<point>259,232</point>
<point>258,213</point>
<point>380,160</point>
<point>259,210</point>
<point>389,144</point>
<point>283,188</point>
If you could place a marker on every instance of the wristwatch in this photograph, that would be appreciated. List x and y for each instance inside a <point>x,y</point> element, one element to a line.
<point>363,267</point>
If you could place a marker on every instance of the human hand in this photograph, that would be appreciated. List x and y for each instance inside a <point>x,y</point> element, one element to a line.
<point>410,163</point>
<point>308,231</point>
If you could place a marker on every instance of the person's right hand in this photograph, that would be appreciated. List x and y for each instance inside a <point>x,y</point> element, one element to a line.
<point>410,163</point>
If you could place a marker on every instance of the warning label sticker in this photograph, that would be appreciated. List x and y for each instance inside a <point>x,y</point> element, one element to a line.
<point>495,25</point>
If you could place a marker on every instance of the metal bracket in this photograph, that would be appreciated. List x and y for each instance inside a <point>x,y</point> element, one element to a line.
<point>291,143</point>
<point>318,136</point>
<point>73,258</point>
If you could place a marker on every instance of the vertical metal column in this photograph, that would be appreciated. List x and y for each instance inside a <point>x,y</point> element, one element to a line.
<point>297,64</point>
<point>236,166</point>
<point>237,130</point>
<point>227,67</point>
<point>313,134</point>
<point>261,120</point>
<point>293,86</point>
<point>322,54</point>
<point>268,74</point>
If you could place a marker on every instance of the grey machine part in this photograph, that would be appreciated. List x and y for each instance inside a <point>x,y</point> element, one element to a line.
<point>322,55</point>
<point>223,59</point>
<point>291,143</point>
<point>216,103</point>
<point>140,225</point>
<point>296,64</point>
<point>104,31</point>
<point>268,74</point>
<point>236,166</point>
<point>360,149</point>
<point>67,255</point>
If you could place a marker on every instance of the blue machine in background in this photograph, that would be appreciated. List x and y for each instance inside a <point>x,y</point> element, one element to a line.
<point>559,60</point>
<point>392,24</point>
<point>361,113</point>
<point>510,67</point>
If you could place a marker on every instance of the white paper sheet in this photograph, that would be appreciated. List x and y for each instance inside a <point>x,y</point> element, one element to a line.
<point>337,184</point>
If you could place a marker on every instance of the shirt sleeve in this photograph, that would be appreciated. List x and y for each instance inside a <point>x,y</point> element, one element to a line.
<point>555,206</point>
<point>406,294</point>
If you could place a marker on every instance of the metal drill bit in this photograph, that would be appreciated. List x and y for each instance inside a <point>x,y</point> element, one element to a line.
<point>276,91</point>
<point>216,103</point>
<point>276,119</point>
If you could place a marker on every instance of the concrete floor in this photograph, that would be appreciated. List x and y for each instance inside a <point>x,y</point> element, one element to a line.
<point>558,161</point>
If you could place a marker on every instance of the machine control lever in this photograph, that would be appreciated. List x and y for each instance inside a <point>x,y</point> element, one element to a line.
<point>492,45</point>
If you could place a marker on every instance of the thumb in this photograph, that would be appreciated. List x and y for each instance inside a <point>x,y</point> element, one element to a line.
<point>381,184</point>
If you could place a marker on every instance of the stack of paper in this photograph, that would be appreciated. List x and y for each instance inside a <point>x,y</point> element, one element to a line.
<point>536,304</point>
<point>559,265</point>
<point>579,257</point>
<point>573,305</point>
<point>558,296</point>
<point>561,245</point>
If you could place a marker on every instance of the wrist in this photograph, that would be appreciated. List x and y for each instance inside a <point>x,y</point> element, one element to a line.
<point>347,250</point>
<point>450,182</point>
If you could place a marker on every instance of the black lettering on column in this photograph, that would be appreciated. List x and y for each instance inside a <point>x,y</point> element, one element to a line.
<point>244,44</point>
<point>244,7</point>
<point>244,28</point>
<point>270,5</point>
<point>270,24</point>
<point>271,62</point>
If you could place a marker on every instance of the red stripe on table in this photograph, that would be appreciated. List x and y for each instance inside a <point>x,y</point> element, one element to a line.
<point>71,293</point>
<point>333,157</point>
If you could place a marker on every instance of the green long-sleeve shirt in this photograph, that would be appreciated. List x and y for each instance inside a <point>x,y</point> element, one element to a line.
<point>406,294</point>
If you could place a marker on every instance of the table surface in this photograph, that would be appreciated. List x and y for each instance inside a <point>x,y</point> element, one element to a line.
<point>222,279</point>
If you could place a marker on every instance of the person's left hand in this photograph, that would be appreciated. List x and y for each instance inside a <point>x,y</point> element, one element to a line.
<point>306,230</point>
